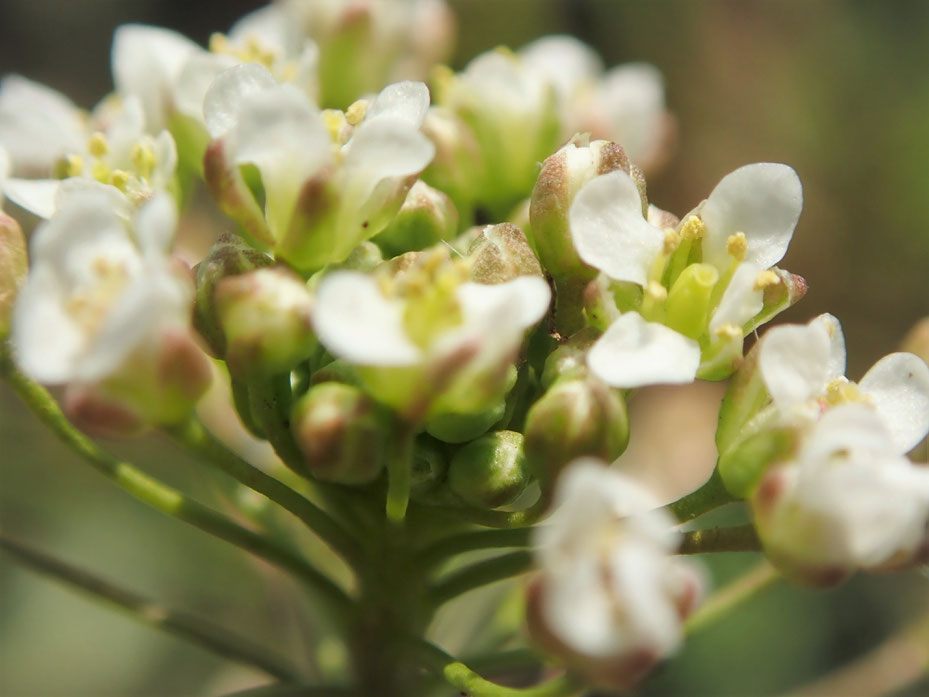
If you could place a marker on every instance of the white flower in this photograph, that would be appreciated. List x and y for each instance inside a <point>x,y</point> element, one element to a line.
<point>803,368</point>
<point>610,587</point>
<point>848,501</point>
<point>424,343</point>
<point>321,198</point>
<point>742,229</point>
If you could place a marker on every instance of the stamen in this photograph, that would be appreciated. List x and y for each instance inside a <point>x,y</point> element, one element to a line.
<point>693,229</point>
<point>97,145</point>
<point>766,279</point>
<point>737,245</point>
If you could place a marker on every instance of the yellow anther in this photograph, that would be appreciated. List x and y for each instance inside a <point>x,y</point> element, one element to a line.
<point>355,113</point>
<point>74,166</point>
<point>656,291</point>
<point>100,171</point>
<point>219,43</point>
<point>143,158</point>
<point>120,179</point>
<point>335,122</point>
<point>766,279</point>
<point>842,391</point>
<point>97,145</point>
<point>737,245</point>
<point>672,241</point>
<point>729,332</point>
<point>693,228</point>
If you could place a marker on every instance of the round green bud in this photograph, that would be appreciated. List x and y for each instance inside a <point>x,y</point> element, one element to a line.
<point>426,217</point>
<point>428,467</point>
<point>575,418</point>
<point>491,471</point>
<point>460,428</point>
<point>569,361</point>
<point>342,433</point>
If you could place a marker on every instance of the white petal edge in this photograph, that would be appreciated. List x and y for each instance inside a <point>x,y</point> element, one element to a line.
<point>740,301</point>
<point>837,355</point>
<point>634,353</point>
<point>763,201</point>
<point>609,231</point>
<point>34,195</point>
<point>407,101</point>
<point>356,322</point>
<point>898,385</point>
<point>224,98</point>
<point>512,306</point>
<point>794,362</point>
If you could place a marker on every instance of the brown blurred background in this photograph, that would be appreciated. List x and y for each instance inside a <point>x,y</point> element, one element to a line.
<point>838,90</point>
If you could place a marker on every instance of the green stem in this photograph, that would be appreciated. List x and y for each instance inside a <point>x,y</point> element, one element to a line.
<point>193,629</point>
<point>472,540</point>
<point>294,691</point>
<point>711,495</point>
<point>196,438</point>
<point>504,660</point>
<point>731,596</point>
<point>477,575</point>
<point>504,519</point>
<point>158,495</point>
<point>740,538</point>
<point>399,474</point>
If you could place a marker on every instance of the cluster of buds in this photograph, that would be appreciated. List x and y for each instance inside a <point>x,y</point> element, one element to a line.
<point>385,345</point>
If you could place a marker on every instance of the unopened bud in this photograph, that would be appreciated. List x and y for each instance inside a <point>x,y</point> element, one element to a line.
<point>426,217</point>
<point>742,466</point>
<point>342,434</point>
<point>575,418</point>
<point>428,468</point>
<point>460,428</point>
<point>491,471</point>
<point>569,361</point>
<point>780,289</point>
<point>14,265</point>
<point>265,316</point>
<point>229,256</point>
<point>502,253</point>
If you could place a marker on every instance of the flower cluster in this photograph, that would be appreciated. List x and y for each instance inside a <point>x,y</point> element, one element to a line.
<point>392,351</point>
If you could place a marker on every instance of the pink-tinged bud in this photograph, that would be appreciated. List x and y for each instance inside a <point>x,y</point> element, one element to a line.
<point>427,217</point>
<point>14,265</point>
<point>575,418</point>
<point>265,316</point>
<point>787,291</point>
<point>491,471</point>
<point>502,253</point>
<point>342,433</point>
<point>229,256</point>
<point>101,416</point>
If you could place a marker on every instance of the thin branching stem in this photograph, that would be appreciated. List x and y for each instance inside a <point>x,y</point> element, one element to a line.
<point>473,540</point>
<point>477,575</point>
<point>729,597</point>
<point>739,538</point>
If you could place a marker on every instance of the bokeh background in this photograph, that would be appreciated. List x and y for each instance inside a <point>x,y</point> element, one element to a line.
<point>837,89</point>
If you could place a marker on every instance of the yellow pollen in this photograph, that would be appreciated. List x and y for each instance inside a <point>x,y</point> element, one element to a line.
<point>355,113</point>
<point>74,166</point>
<point>737,245</point>
<point>219,43</point>
<point>100,171</point>
<point>335,121</point>
<point>120,179</point>
<point>766,279</point>
<point>729,332</point>
<point>843,391</point>
<point>672,241</point>
<point>143,158</point>
<point>97,145</point>
<point>693,229</point>
<point>656,291</point>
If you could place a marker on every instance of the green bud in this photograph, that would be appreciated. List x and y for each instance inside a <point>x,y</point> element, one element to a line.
<point>569,361</point>
<point>365,257</point>
<point>426,217</point>
<point>502,253</point>
<point>342,433</point>
<point>460,428</point>
<point>690,300</point>
<point>742,466</point>
<point>265,317</point>
<point>575,418</point>
<point>337,371</point>
<point>14,266</point>
<point>428,469</point>
<point>229,256</point>
<point>491,471</point>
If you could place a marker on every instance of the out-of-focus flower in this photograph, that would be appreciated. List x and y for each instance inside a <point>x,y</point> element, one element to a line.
<point>106,313</point>
<point>610,598</point>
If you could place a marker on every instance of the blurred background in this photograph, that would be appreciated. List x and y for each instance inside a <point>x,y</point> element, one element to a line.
<point>837,89</point>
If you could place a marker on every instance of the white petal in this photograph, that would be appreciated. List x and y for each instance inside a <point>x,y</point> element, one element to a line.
<point>846,428</point>
<point>763,201</point>
<point>195,79</point>
<point>155,224</point>
<point>795,363</point>
<point>898,385</point>
<point>609,231</point>
<point>832,326</point>
<point>633,98</point>
<point>146,61</point>
<point>356,322</point>
<point>272,26</point>
<point>229,90</point>
<point>35,195</point>
<point>508,307</point>
<point>740,301</point>
<point>384,148</point>
<point>407,101</point>
<point>633,353</point>
<point>564,61</point>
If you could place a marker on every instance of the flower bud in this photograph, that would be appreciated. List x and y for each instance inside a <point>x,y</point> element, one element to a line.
<point>569,361</point>
<point>502,253</point>
<point>460,428</point>
<point>428,469</point>
<point>426,217</point>
<point>265,316</point>
<point>491,471</point>
<point>742,466</point>
<point>229,256</point>
<point>341,432</point>
<point>576,417</point>
<point>14,265</point>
